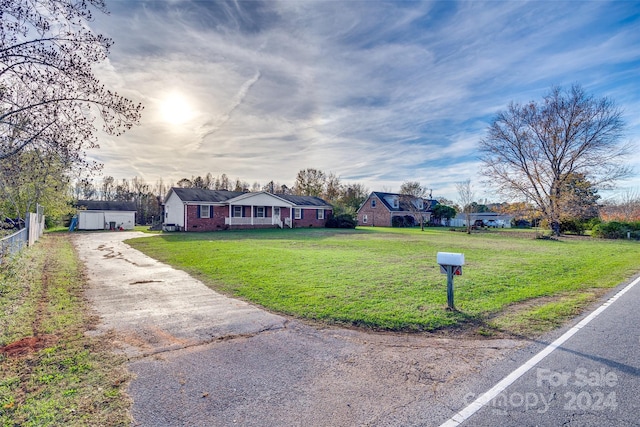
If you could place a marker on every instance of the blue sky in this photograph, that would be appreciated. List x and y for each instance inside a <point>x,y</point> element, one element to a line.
<point>377,92</point>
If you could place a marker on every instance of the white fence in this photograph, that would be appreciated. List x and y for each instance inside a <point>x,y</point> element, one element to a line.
<point>15,242</point>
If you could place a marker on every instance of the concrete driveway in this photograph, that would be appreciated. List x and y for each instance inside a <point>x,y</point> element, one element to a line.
<point>203,359</point>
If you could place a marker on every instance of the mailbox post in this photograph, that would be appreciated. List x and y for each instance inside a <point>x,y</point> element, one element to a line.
<point>451,265</point>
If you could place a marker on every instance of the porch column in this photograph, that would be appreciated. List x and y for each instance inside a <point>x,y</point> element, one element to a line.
<point>252,214</point>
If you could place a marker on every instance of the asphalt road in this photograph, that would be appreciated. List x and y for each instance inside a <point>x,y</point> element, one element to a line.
<point>591,379</point>
<point>202,359</point>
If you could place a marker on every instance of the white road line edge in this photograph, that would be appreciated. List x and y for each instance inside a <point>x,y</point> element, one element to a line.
<point>485,398</point>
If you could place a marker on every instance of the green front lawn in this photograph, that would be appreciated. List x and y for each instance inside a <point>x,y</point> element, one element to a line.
<point>388,278</point>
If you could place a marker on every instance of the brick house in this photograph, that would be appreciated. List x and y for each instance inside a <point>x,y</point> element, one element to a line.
<point>196,209</point>
<point>380,208</point>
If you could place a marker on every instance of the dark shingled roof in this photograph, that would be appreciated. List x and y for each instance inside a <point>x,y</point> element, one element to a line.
<point>403,205</point>
<point>101,205</point>
<point>202,195</point>
<point>303,200</point>
<point>221,196</point>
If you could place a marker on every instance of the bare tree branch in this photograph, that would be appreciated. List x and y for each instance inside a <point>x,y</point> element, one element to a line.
<point>534,150</point>
<point>46,56</point>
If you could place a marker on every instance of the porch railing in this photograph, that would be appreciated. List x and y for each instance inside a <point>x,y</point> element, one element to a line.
<point>250,221</point>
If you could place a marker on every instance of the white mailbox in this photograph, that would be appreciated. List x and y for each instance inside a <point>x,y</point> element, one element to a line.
<point>451,265</point>
<point>450,258</point>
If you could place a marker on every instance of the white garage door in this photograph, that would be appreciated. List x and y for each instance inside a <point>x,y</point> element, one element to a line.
<point>90,220</point>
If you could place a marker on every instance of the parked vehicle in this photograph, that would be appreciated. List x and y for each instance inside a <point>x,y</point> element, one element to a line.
<point>11,223</point>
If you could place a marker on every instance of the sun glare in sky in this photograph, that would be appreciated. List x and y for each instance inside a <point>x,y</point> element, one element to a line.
<point>175,109</point>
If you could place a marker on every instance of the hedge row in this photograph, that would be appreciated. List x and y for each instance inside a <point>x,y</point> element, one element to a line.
<point>617,230</point>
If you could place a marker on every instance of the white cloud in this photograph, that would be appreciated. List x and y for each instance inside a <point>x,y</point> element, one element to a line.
<point>375,92</point>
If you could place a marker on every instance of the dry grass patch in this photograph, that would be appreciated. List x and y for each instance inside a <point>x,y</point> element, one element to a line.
<point>51,373</point>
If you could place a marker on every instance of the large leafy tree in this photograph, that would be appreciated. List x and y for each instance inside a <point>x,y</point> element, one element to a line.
<point>29,178</point>
<point>352,196</point>
<point>579,199</point>
<point>49,95</point>
<point>441,212</point>
<point>532,150</point>
<point>310,182</point>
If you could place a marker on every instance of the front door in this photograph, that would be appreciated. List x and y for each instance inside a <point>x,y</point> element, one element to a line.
<point>276,215</point>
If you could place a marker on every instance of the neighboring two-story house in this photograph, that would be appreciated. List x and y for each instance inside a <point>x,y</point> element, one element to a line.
<point>380,208</point>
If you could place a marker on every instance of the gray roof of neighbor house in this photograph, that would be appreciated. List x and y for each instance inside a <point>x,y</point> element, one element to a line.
<point>221,196</point>
<point>402,206</point>
<point>101,205</point>
<point>202,195</point>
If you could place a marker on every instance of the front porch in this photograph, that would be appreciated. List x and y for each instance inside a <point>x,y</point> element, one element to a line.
<point>261,212</point>
<point>259,222</point>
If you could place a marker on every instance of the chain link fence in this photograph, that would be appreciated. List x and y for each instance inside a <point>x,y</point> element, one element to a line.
<point>15,242</point>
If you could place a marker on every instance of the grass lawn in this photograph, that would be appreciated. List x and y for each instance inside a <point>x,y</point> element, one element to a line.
<point>51,373</point>
<point>387,278</point>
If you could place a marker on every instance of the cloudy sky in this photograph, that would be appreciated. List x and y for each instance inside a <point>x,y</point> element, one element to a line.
<point>376,92</point>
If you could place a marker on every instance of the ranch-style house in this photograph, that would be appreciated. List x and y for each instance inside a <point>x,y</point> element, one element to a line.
<point>195,209</point>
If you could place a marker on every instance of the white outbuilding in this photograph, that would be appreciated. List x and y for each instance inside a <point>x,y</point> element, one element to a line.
<point>102,215</point>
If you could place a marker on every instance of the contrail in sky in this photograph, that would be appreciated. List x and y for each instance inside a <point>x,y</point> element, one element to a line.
<point>216,124</point>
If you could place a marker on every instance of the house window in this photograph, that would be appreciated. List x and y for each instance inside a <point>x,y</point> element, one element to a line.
<point>320,214</point>
<point>297,213</point>
<point>204,211</point>
<point>365,219</point>
<point>237,211</point>
<point>395,202</point>
<point>260,211</point>
<point>373,203</point>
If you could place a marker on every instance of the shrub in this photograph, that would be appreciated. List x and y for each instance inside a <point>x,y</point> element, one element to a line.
<point>573,225</point>
<point>409,221</point>
<point>341,221</point>
<point>397,221</point>
<point>520,223</point>
<point>617,230</point>
<point>593,222</point>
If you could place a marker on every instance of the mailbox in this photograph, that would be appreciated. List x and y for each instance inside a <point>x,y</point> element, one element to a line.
<point>450,258</point>
<point>451,265</point>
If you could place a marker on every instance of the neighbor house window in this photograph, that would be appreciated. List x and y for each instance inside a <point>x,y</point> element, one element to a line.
<point>320,214</point>
<point>365,219</point>
<point>204,211</point>
<point>260,211</point>
<point>297,213</point>
<point>237,211</point>
<point>373,203</point>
